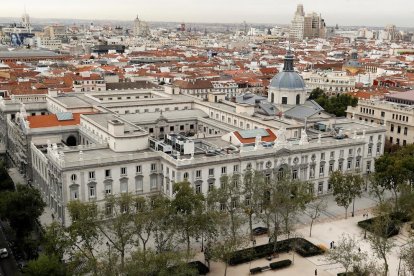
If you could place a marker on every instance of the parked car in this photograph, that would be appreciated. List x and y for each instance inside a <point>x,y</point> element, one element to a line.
<point>260,231</point>
<point>3,253</point>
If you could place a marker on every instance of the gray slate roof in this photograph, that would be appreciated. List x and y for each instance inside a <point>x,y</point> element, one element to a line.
<point>288,80</point>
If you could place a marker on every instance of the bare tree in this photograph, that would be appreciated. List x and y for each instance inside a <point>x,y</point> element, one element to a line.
<point>314,211</point>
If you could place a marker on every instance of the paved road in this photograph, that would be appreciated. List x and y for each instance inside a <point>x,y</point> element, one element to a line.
<point>8,266</point>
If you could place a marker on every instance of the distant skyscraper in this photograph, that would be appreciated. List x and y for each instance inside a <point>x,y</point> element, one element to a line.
<point>140,27</point>
<point>306,26</point>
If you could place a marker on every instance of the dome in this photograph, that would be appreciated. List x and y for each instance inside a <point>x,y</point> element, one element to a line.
<point>287,80</point>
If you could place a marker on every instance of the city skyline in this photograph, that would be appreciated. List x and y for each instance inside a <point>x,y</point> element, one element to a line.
<point>348,12</point>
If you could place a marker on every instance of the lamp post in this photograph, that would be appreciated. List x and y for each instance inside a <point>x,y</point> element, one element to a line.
<point>109,260</point>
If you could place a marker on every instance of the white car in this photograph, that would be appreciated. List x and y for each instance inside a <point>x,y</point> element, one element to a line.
<point>3,253</point>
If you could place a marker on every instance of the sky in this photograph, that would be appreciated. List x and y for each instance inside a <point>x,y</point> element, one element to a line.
<point>343,12</point>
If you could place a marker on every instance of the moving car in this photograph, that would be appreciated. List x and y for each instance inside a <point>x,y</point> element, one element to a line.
<point>260,231</point>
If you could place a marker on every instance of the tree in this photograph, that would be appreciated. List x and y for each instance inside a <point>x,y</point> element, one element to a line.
<point>118,229</point>
<point>314,211</point>
<point>45,265</point>
<point>335,104</point>
<point>346,187</point>
<point>346,253</point>
<point>21,208</point>
<point>407,255</point>
<point>6,183</point>
<point>378,233</point>
<point>83,234</point>
<point>164,224</point>
<point>55,241</point>
<point>253,182</point>
<point>228,198</point>
<point>160,264</point>
<point>188,208</point>
<point>143,221</point>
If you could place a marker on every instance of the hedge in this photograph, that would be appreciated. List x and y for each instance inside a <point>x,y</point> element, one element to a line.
<point>255,270</point>
<point>301,246</point>
<point>201,268</point>
<point>392,229</point>
<point>280,264</point>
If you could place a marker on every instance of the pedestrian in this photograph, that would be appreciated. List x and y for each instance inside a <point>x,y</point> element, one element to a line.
<point>316,272</point>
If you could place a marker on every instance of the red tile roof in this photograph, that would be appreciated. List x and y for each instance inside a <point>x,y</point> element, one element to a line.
<point>50,120</point>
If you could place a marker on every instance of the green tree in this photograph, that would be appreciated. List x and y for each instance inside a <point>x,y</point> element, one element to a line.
<point>144,221</point>
<point>188,207</point>
<point>253,182</point>
<point>346,187</point>
<point>346,253</point>
<point>227,197</point>
<point>118,229</point>
<point>45,265</point>
<point>6,183</point>
<point>158,263</point>
<point>164,223</point>
<point>21,208</point>
<point>335,104</point>
<point>84,235</point>
<point>391,174</point>
<point>55,240</point>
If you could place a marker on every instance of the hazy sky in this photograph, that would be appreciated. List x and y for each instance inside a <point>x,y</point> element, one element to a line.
<point>343,12</point>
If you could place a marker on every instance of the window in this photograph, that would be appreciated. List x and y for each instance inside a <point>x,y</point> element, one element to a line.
<point>322,156</point>
<point>223,170</point>
<point>295,174</point>
<point>249,166</point>
<point>210,186</point>
<point>138,169</point>
<point>340,166</point>
<point>171,128</point>
<point>91,175</point>
<point>378,148</point>
<point>349,165</point>
<point>108,189</point>
<point>153,183</point>
<point>181,127</point>
<point>368,166</point>
<point>382,114</point>
<point>74,192</point>
<point>357,163</point>
<point>198,189</point>
<point>320,187</point>
<point>198,174</point>
<point>399,129</point>
<point>284,100</point>
<point>123,171</point>
<point>107,173</point>
<point>153,167</point>
<point>211,172</point>
<point>321,169</point>
<point>139,184</point>
<point>341,154</point>
<point>392,128</point>
<point>350,152</point>
<point>73,177</point>
<point>332,154</point>
<point>108,210</point>
<point>369,150</point>
<point>92,191</point>
<point>331,166</point>
<point>124,186</point>
<point>236,168</point>
<point>186,176</point>
<point>405,130</point>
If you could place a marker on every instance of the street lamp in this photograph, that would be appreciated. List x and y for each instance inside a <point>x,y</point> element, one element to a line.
<point>109,260</point>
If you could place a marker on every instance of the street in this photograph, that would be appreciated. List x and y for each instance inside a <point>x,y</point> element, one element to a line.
<point>8,266</point>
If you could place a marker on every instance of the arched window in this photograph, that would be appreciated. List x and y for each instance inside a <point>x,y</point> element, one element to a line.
<point>297,99</point>
<point>280,174</point>
<point>272,95</point>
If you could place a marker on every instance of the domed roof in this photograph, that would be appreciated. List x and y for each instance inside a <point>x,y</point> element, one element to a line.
<point>287,80</point>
